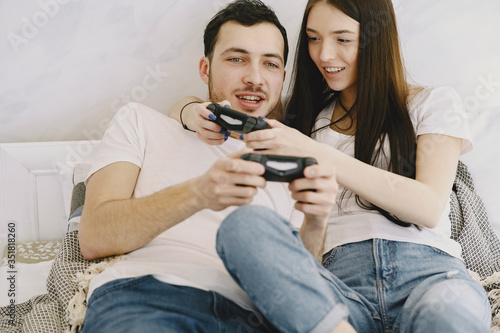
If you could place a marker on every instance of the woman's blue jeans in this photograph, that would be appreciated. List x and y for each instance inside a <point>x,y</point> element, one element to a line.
<point>377,285</point>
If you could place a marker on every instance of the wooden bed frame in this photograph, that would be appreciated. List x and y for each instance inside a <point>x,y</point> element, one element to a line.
<point>35,182</point>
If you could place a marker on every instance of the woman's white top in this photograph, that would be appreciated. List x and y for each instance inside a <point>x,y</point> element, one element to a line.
<point>434,110</point>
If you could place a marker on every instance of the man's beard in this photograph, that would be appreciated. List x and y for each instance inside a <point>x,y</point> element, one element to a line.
<point>217,96</point>
<point>275,112</point>
<point>213,94</point>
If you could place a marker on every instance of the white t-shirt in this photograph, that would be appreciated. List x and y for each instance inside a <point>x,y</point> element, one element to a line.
<point>167,155</point>
<point>434,110</point>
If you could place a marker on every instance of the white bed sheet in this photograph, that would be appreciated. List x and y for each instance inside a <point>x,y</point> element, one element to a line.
<point>30,280</point>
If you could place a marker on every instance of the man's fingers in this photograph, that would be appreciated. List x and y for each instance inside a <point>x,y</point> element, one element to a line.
<point>238,165</point>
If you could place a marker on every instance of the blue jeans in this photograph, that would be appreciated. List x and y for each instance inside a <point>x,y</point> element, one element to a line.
<point>145,304</point>
<point>377,285</point>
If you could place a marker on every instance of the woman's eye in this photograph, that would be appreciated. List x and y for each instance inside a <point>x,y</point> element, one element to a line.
<point>343,41</point>
<point>312,38</point>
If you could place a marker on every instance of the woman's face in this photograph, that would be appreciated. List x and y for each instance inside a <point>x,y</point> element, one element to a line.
<point>333,46</point>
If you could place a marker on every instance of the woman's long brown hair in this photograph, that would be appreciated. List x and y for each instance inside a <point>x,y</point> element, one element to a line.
<point>380,108</point>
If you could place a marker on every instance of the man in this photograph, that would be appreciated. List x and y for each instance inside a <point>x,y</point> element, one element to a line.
<point>158,194</point>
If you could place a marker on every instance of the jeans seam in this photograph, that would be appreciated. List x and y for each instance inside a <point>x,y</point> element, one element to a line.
<point>382,305</point>
<point>393,263</point>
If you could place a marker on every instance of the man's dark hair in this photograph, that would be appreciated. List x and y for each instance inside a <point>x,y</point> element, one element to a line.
<point>245,12</point>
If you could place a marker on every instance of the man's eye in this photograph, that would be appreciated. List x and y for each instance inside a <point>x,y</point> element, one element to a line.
<point>272,65</point>
<point>235,60</point>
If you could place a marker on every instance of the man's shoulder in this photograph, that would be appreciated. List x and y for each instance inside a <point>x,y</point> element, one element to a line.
<point>134,109</point>
<point>142,116</point>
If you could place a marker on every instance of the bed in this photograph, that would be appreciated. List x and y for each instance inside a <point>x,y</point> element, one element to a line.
<point>41,193</point>
<point>36,185</point>
<point>41,174</point>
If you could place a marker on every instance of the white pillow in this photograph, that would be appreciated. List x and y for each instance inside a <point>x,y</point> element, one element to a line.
<point>484,160</point>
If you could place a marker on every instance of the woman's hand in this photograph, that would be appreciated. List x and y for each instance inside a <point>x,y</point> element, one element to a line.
<point>316,193</point>
<point>284,140</point>
<point>316,196</point>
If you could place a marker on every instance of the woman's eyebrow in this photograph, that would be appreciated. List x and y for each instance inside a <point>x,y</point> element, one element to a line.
<point>336,32</point>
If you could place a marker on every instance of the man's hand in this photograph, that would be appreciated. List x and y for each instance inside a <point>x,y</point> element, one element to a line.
<point>230,181</point>
<point>197,118</point>
<point>193,113</point>
<point>207,130</point>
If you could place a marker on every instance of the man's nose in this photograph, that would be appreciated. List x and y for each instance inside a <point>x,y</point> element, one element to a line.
<point>253,76</point>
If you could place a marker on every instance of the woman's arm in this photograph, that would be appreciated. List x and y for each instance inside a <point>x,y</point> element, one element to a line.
<point>420,201</point>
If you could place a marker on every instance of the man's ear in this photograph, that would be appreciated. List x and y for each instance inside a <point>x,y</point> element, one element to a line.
<point>204,69</point>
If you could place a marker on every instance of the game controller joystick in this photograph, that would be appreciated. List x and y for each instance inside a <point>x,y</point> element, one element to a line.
<point>281,168</point>
<point>236,121</point>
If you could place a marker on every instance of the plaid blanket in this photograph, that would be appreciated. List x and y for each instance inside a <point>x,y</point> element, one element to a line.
<point>63,307</point>
<point>49,312</point>
<point>480,245</point>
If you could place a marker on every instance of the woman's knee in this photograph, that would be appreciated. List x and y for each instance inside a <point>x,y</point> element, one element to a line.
<point>456,304</point>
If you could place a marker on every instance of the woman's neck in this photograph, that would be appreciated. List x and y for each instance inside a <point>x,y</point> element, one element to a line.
<point>347,98</point>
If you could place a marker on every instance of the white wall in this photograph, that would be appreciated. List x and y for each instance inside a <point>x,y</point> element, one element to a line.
<point>67,65</point>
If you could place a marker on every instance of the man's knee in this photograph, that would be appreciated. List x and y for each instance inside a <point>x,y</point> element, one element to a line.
<point>245,221</point>
<point>246,226</point>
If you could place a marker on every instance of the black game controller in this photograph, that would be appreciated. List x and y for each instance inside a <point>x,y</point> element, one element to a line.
<point>235,121</point>
<point>281,168</point>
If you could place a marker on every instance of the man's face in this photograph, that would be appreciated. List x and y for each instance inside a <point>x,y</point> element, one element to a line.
<point>247,67</point>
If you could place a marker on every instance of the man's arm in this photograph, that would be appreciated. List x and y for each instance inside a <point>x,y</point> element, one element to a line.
<point>115,223</point>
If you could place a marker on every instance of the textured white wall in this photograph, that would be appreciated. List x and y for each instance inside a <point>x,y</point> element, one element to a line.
<point>67,65</point>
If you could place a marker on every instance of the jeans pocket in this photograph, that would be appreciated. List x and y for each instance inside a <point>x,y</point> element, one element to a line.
<point>329,257</point>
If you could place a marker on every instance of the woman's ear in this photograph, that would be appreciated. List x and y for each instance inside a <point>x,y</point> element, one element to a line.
<point>204,69</point>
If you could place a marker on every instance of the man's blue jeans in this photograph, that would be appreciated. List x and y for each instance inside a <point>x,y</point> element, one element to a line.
<point>145,305</point>
<point>377,285</point>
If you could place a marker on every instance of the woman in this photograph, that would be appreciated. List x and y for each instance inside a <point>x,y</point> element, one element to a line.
<point>390,265</point>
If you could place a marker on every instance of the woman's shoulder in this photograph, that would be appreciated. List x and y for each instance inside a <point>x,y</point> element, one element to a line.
<point>429,95</point>
<point>413,91</point>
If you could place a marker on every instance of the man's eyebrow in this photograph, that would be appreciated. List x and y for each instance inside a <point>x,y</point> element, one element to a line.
<point>336,32</point>
<point>243,51</point>
<point>236,50</point>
